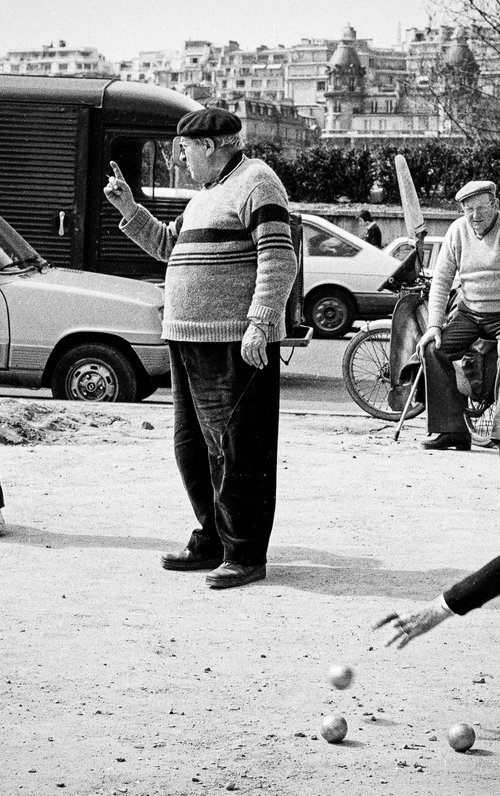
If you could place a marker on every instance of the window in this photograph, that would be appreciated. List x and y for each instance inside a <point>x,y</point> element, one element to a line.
<point>404,249</point>
<point>320,85</point>
<point>158,171</point>
<point>321,243</point>
<point>240,84</point>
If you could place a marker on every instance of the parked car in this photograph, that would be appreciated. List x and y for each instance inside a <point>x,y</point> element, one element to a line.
<point>87,336</point>
<point>342,274</point>
<point>400,247</point>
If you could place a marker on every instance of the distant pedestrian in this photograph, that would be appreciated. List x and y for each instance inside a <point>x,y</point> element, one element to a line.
<point>371,230</point>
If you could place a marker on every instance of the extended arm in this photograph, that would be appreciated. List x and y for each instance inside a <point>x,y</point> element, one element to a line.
<point>464,596</point>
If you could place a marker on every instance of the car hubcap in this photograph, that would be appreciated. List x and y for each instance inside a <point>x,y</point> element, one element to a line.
<point>330,314</point>
<point>92,381</point>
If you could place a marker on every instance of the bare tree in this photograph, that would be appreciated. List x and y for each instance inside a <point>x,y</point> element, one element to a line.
<point>462,80</point>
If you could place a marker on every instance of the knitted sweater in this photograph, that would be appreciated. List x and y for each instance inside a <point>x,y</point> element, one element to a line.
<point>230,256</point>
<point>477,262</point>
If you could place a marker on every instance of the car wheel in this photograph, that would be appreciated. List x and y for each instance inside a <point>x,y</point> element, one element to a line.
<point>94,372</point>
<point>330,312</point>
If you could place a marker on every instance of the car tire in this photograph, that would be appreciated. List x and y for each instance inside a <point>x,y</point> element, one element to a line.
<point>94,372</point>
<point>330,312</point>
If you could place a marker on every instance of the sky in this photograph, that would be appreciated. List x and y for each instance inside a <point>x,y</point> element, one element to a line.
<point>123,28</point>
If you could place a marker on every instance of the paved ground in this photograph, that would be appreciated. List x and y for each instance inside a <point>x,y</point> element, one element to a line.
<point>118,677</point>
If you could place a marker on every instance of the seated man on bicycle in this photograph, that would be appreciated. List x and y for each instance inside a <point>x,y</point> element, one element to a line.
<point>471,248</point>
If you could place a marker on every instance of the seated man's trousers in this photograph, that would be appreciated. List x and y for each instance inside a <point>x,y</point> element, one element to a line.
<point>445,404</point>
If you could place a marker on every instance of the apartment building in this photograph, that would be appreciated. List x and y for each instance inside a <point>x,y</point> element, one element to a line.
<point>347,89</point>
<point>279,122</point>
<point>52,60</point>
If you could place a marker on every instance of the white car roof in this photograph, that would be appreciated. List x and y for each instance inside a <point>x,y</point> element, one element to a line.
<point>330,227</point>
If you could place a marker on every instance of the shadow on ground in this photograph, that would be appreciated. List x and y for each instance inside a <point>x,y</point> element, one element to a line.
<point>303,568</point>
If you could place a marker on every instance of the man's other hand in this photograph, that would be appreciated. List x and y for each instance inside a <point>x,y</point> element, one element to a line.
<point>433,333</point>
<point>253,347</point>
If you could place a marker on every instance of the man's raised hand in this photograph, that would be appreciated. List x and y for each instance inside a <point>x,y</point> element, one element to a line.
<point>119,194</point>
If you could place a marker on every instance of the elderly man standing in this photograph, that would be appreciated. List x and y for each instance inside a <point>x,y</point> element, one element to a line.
<point>471,249</point>
<point>231,266</point>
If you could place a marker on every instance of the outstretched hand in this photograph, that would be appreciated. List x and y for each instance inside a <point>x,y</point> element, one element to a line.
<point>410,626</point>
<point>119,193</point>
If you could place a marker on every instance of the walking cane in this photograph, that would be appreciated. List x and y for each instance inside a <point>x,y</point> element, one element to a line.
<point>408,403</point>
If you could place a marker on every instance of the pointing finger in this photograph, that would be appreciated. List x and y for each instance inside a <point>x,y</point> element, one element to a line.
<point>116,170</point>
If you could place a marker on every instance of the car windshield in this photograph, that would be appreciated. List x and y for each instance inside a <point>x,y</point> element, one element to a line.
<point>16,253</point>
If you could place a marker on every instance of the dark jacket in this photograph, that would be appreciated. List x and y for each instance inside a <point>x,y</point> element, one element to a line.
<point>374,235</point>
<point>476,589</point>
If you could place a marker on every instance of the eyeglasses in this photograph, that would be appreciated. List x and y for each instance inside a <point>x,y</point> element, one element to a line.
<point>469,211</point>
<point>183,145</point>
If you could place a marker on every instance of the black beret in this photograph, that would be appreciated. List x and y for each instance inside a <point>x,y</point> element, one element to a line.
<point>208,122</point>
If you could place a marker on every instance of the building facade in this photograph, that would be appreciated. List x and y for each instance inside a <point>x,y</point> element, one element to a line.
<point>52,60</point>
<point>346,90</point>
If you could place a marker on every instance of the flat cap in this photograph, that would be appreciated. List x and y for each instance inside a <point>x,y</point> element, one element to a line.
<point>474,187</point>
<point>208,122</point>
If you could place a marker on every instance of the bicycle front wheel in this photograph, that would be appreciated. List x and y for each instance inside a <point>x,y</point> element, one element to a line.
<point>478,417</point>
<point>367,377</point>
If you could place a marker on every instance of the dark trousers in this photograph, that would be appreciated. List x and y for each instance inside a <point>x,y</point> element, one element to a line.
<point>445,404</point>
<point>225,438</point>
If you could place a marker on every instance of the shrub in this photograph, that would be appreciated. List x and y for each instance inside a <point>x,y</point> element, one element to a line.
<point>324,173</point>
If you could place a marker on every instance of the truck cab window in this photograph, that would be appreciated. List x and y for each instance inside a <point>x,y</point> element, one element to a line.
<point>160,177</point>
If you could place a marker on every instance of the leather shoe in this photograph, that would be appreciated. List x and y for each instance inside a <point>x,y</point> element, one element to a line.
<point>461,441</point>
<point>229,574</point>
<point>186,561</point>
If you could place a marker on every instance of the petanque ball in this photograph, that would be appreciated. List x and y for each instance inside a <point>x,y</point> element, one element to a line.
<point>461,737</point>
<point>334,728</point>
<point>341,676</point>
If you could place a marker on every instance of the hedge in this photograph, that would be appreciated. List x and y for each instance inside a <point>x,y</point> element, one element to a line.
<point>325,173</point>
